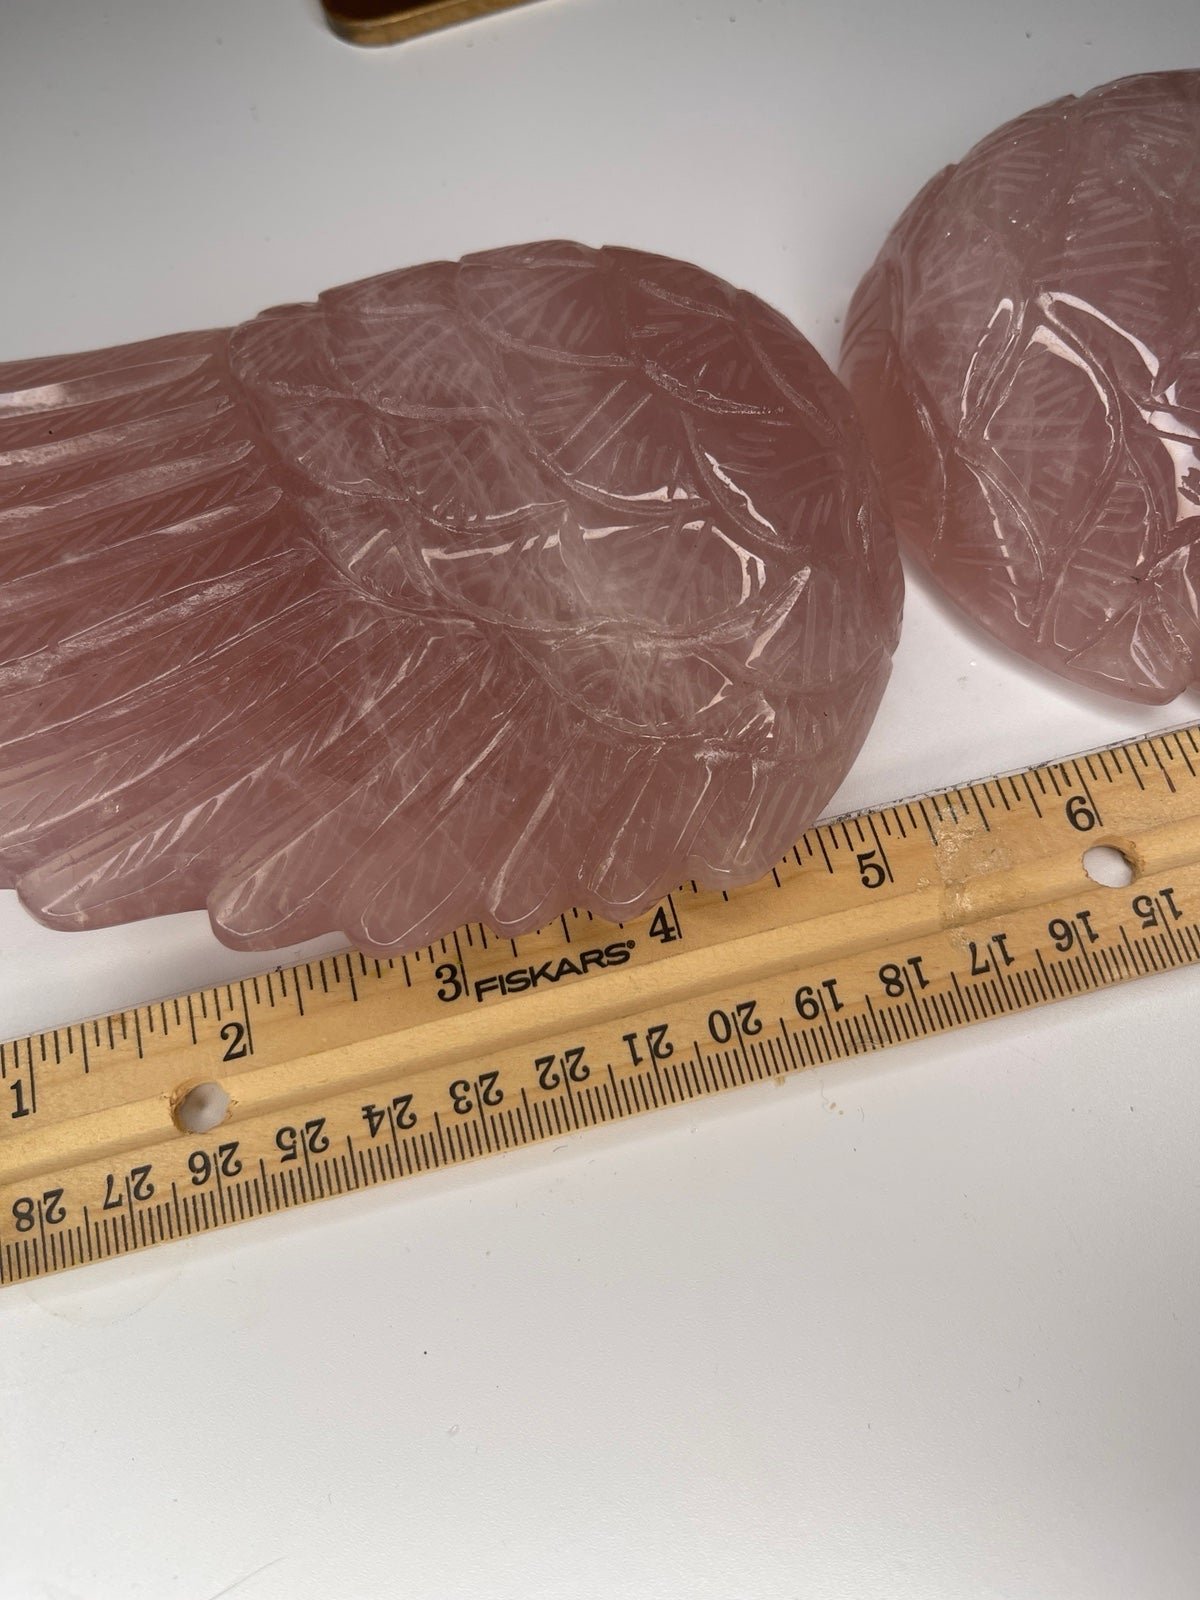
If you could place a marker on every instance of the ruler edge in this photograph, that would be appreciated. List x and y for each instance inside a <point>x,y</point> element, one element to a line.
<point>395,955</point>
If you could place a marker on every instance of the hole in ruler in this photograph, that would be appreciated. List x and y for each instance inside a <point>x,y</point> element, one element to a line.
<point>200,1109</point>
<point>1105,864</point>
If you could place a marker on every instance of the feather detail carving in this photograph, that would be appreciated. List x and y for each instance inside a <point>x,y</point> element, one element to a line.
<point>472,591</point>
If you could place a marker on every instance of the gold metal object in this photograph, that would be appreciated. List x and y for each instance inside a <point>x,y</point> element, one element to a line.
<point>376,22</point>
<point>338,1074</point>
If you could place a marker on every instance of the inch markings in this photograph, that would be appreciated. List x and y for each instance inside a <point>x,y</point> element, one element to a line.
<point>348,1071</point>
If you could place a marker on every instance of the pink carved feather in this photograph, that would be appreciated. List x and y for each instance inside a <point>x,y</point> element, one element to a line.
<point>1026,355</point>
<point>473,591</point>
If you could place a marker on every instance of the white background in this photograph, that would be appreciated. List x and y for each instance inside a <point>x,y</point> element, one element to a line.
<point>924,1326</point>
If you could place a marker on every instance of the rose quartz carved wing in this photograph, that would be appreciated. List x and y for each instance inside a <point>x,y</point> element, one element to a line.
<point>1025,353</point>
<point>474,591</point>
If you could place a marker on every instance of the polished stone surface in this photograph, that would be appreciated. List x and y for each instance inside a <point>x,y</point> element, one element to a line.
<point>1025,353</point>
<point>472,591</point>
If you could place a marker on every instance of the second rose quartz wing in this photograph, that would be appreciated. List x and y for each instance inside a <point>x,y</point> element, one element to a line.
<point>474,591</point>
<point>1026,356</point>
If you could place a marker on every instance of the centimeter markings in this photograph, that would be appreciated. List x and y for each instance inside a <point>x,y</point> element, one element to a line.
<point>350,1071</point>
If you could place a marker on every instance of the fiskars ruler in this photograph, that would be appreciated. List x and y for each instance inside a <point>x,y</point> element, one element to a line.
<point>347,1072</point>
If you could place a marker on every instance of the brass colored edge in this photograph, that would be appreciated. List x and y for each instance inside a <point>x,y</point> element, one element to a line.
<point>398,26</point>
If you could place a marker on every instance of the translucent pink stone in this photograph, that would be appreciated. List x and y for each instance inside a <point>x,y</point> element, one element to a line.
<point>474,591</point>
<point>1026,356</point>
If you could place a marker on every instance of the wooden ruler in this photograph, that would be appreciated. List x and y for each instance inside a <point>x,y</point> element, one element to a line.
<point>347,1072</point>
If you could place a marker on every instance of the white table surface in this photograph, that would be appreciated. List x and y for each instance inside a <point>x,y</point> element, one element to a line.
<point>924,1326</point>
